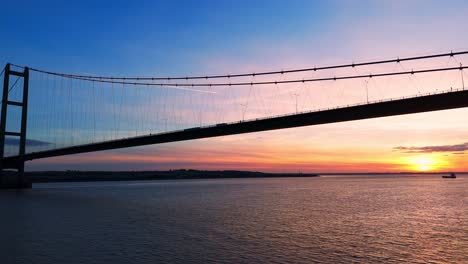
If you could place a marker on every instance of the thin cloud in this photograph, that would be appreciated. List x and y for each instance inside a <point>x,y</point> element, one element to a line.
<point>456,149</point>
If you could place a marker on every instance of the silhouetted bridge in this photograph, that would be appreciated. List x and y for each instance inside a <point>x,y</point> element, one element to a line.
<point>451,99</point>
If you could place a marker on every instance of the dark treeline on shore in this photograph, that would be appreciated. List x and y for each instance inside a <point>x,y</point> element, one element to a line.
<point>77,176</point>
<point>74,176</point>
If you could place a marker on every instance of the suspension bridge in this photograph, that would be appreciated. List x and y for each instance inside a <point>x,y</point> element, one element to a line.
<point>47,114</point>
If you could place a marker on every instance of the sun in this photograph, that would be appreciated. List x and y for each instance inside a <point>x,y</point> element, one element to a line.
<point>423,163</point>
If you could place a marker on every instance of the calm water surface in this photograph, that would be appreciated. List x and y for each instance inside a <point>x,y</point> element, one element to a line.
<point>364,219</point>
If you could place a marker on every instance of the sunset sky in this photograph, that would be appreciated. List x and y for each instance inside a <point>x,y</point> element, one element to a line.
<point>224,37</point>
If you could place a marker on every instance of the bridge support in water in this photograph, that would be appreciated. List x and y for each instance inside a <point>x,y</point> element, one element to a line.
<point>12,173</point>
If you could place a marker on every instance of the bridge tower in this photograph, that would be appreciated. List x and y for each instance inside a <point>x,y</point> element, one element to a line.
<point>12,172</point>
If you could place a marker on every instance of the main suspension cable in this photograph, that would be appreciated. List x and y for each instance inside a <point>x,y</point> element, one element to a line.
<point>397,60</point>
<point>335,78</point>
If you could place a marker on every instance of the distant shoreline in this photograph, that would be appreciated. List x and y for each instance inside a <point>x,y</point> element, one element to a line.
<point>80,176</point>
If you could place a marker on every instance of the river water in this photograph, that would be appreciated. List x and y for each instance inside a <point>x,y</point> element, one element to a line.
<point>330,219</point>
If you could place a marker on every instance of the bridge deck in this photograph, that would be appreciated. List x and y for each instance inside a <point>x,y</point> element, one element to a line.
<point>434,102</point>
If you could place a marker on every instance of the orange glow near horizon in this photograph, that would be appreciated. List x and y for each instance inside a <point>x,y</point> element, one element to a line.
<point>427,163</point>
<point>268,158</point>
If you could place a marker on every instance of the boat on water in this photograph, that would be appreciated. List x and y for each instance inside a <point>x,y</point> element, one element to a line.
<point>450,176</point>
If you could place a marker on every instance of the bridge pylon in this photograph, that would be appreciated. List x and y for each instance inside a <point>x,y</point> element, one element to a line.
<point>12,172</point>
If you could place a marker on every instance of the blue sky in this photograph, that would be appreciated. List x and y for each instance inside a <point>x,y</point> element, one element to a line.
<point>169,37</point>
<point>126,37</point>
<point>199,37</point>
